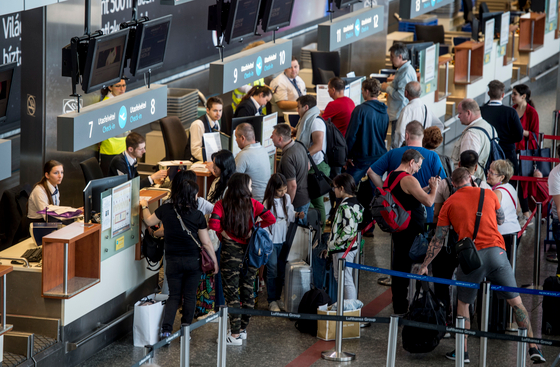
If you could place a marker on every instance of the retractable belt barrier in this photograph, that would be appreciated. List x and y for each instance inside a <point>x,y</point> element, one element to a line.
<point>150,349</point>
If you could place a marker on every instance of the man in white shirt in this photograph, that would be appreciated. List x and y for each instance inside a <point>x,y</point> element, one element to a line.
<point>287,88</point>
<point>252,160</point>
<point>415,110</point>
<point>473,137</point>
<point>205,124</point>
<point>312,132</point>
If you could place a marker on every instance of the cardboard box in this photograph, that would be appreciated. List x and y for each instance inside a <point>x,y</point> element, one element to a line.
<point>326,330</point>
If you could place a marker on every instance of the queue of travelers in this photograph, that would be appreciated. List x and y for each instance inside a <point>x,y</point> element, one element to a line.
<point>434,188</point>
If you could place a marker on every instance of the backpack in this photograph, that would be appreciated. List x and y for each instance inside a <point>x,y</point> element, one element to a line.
<point>387,211</point>
<point>496,152</point>
<point>426,309</point>
<point>310,301</point>
<point>337,150</point>
<point>259,248</point>
<point>152,249</point>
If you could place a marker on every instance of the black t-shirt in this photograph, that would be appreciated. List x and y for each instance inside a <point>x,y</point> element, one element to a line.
<point>177,241</point>
<point>409,202</point>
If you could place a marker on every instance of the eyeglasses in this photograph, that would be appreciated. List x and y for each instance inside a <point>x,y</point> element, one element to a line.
<point>492,173</point>
<point>335,187</point>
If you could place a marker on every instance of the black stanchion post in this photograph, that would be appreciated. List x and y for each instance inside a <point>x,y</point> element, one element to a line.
<point>460,343</point>
<point>485,287</point>
<point>337,354</point>
<point>185,345</point>
<point>537,255</point>
<point>222,332</point>
<point>392,344</point>
<point>521,348</point>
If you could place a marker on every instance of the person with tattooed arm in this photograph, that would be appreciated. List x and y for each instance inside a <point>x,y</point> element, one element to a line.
<point>460,211</point>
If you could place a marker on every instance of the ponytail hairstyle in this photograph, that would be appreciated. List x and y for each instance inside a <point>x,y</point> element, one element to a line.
<point>276,182</point>
<point>523,89</point>
<point>238,206</point>
<point>47,168</point>
<point>257,90</point>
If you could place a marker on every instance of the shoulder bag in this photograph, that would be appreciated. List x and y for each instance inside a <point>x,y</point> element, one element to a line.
<point>207,262</point>
<point>318,184</point>
<point>468,256</point>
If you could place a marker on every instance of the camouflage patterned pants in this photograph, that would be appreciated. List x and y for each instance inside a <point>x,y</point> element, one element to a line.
<point>238,288</point>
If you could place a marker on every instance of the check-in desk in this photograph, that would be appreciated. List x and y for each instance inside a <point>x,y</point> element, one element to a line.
<point>103,280</point>
<point>537,45</point>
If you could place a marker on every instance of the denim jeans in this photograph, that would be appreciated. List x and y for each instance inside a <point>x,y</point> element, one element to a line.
<point>275,272</point>
<point>304,209</point>
<point>183,275</point>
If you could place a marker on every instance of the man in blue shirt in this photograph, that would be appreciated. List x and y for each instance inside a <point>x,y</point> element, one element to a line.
<point>431,166</point>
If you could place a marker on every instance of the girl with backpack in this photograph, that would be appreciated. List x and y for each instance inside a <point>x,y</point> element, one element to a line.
<point>232,219</point>
<point>277,200</point>
<point>348,216</point>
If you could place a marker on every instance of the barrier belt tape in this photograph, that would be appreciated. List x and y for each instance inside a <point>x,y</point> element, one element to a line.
<point>551,137</point>
<point>529,179</point>
<point>386,320</point>
<point>413,276</point>
<point>175,335</point>
<point>538,159</point>
<point>307,316</point>
<point>480,334</point>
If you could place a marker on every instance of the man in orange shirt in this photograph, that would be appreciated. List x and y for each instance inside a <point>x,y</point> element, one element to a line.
<point>460,211</point>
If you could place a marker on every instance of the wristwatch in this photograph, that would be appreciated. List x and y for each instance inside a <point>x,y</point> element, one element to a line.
<point>144,207</point>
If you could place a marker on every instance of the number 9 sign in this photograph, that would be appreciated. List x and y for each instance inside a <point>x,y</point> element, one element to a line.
<point>235,75</point>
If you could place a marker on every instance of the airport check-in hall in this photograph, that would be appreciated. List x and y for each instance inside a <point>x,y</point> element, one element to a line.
<point>279,183</point>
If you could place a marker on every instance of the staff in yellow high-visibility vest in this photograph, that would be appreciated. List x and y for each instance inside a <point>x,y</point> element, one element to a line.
<point>111,147</point>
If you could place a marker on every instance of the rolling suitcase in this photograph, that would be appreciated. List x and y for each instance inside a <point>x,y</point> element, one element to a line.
<point>299,279</point>
<point>550,307</point>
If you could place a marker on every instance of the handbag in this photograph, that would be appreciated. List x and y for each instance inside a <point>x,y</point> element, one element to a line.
<point>207,262</point>
<point>152,249</point>
<point>419,247</point>
<point>318,184</point>
<point>527,168</point>
<point>468,256</point>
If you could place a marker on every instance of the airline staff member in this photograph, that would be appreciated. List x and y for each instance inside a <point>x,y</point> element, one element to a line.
<point>287,88</point>
<point>205,124</point>
<point>113,146</point>
<point>45,192</point>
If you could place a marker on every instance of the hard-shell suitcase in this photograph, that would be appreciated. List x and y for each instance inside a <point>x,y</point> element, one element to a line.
<point>551,307</point>
<point>298,280</point>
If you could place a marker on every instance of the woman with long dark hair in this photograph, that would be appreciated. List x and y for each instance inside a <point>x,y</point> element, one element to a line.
<point>253,101</point>
<point>233,219</point>
<point>185,231</point>
<point>45,192</point>
<point>222,167</point>
<point>523,104</point>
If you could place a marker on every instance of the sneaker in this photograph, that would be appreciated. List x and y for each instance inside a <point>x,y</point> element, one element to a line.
<point>281,305</point>
<point>451,356</point>
<point>384,281</point>
<point>164,335</point>
<point>273,306</point>
<point>230,340</point>
<point>552,258</point>
<point>536,356</point>
<point>242,336</point>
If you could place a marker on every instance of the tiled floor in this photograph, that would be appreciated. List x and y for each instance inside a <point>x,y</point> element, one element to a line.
<point>276,342</point>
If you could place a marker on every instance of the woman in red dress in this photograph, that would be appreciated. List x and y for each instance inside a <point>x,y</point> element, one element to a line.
<point>521,97</point>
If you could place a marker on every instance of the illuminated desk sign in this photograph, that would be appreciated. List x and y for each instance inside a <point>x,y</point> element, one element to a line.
<point>410,9</point>
<point>350,28</point>
<point>247,66</point>
<point>6,154</point>
<point>110,118</point>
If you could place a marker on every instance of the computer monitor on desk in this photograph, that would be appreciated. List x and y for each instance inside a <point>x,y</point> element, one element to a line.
<point>93,191</point>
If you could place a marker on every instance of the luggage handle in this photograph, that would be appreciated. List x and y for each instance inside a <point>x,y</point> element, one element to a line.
<point>310,255</point>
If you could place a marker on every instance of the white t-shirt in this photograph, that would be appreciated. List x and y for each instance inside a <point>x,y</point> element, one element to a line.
<point>285,91</point>
<point>554,188</point>
<point>319,125</point>
<point>509,206</point>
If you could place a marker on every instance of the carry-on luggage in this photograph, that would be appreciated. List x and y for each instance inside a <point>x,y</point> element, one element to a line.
<point>497,313</point>
<point>551,307</point>
<point>310,302</point>
<point>299,278</point>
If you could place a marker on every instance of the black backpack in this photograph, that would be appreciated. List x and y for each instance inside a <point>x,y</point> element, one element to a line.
<point>152,249</point>
<point>550,307</point>
<point>452,188</point>
<point>337,150</point>
<point>426,309</point>
<point>496,152</point>
<point>310,301</point>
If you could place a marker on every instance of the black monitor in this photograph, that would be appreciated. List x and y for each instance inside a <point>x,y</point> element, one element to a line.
<point>93,191</point>
<point>474,29</point>
<point>6,75</point>
<point>414,47</point>
<point>255,121</point>
<point>150,44</point>
<point>105,61</point>
<point>538,6</point>
<point>497,16</point>
<point>344,3</point>
<point>242,19</point>
<point>276,14</point>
